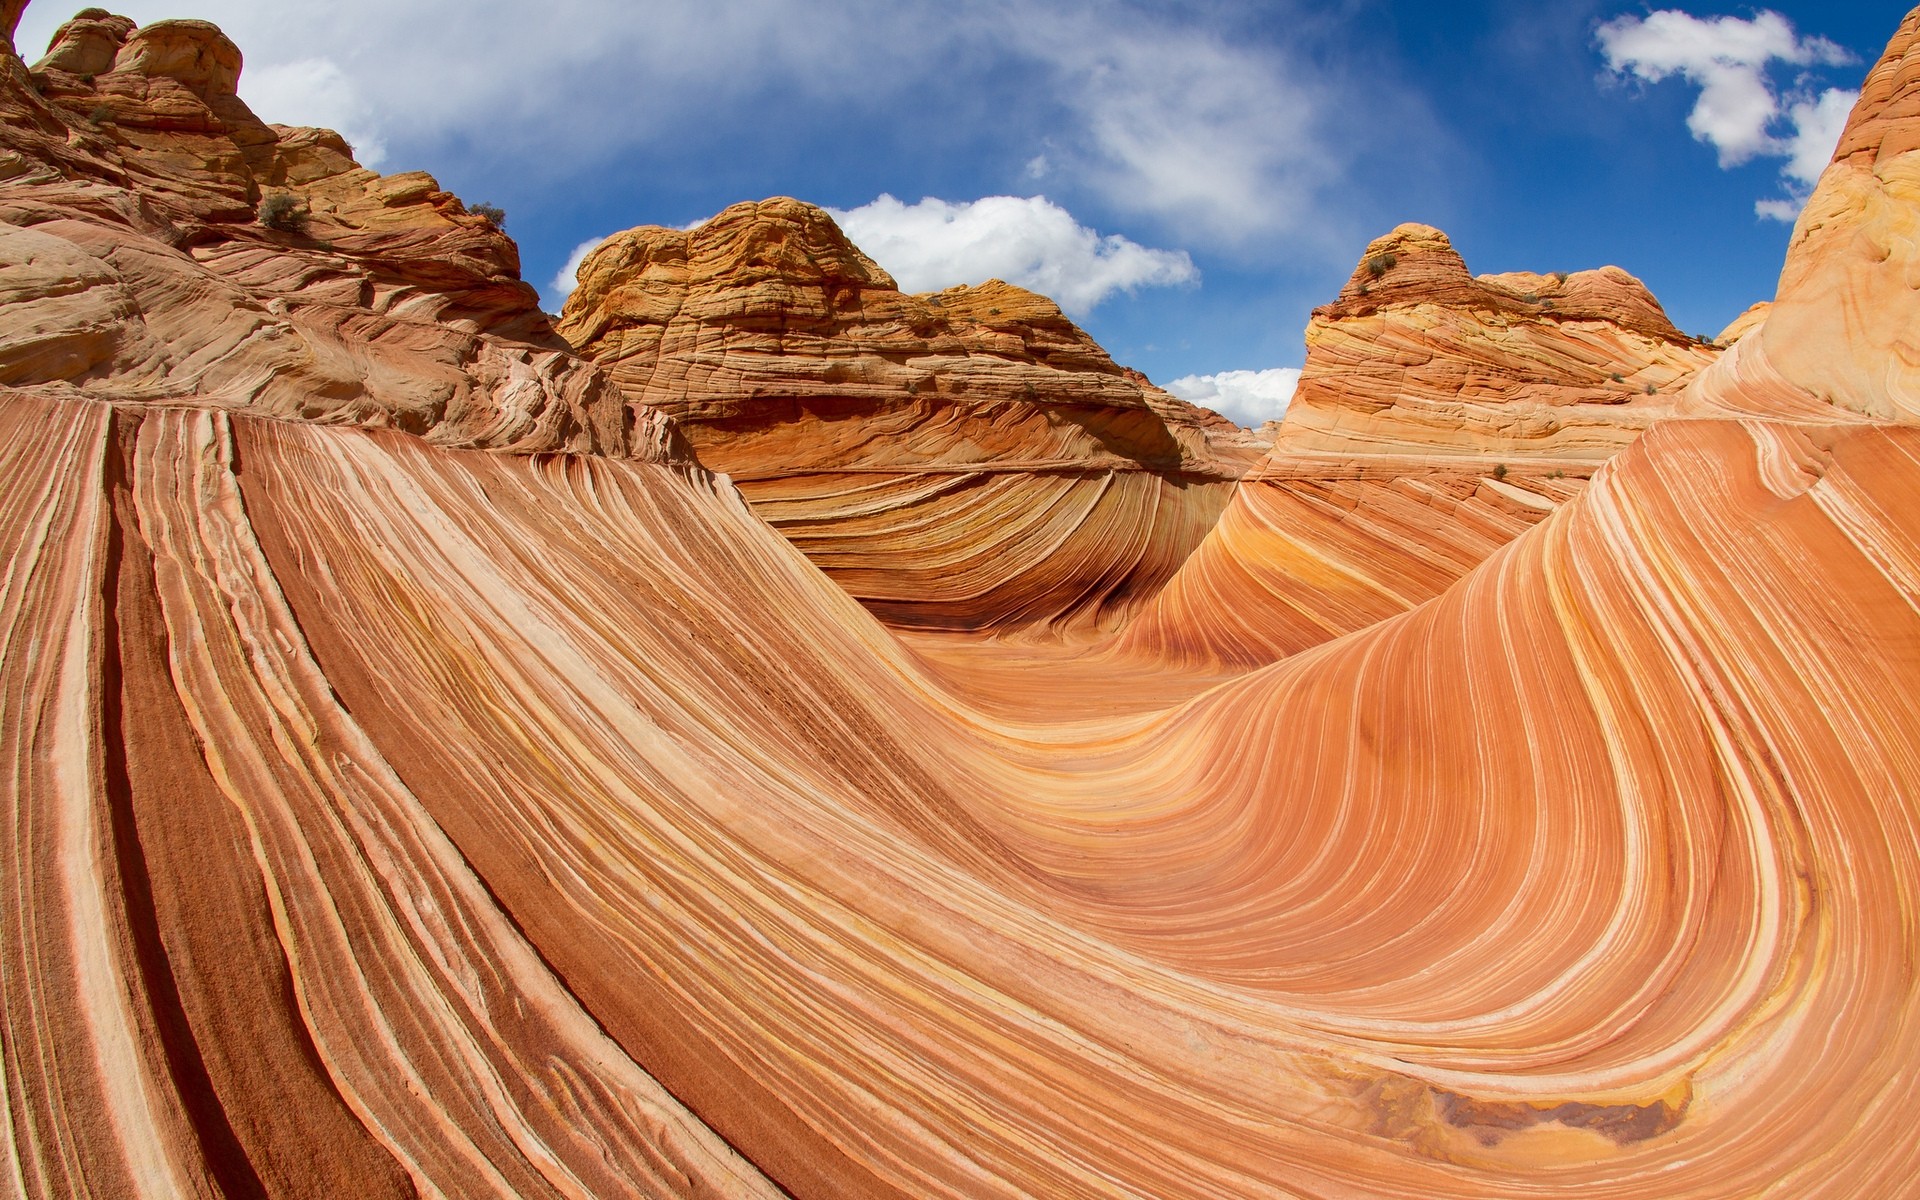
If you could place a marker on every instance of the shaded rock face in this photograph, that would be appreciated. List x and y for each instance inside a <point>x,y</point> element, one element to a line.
<point>1418,356</point>
<point>131,176</point>
<point>968,458</point>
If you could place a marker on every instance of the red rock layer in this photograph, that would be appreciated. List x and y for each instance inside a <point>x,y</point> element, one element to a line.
<point>134,268</point>
<point>1417,356</point>
<point>1439,415</point>
<point>963,459</point>
<point>564,767</point>
<point>384,818</point>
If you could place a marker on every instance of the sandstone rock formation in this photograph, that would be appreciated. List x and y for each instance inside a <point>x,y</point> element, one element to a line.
<point>1438,416</point>
<point>386,816</point>
<point>1419,357</point>
<point>968,458</point>
<point>1838,340</point>
<point>134,266</point>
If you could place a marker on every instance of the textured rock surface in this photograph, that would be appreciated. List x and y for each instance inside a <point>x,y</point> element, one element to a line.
<point>135,269</point>
<point>968,458</point>
<point>1417,356</point>
<point>385,818</point>
<point>1439,415</point>
<point>1840,339</point>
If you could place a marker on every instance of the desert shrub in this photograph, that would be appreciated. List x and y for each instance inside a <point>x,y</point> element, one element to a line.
<point>1651,389</point>
<point>1380,264</point>
<point>282,211</point>
<point>1617,377</point>
<point>100,115</point>
<point>492,212</point>
<point>1560,276</point>
<point>1500,471</point>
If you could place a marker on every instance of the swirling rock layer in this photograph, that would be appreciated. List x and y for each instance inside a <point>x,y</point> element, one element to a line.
<point>390,818</point>
<point>962,459</point>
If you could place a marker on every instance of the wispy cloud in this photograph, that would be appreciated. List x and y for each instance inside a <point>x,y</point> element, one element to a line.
<point>1249,398</point>
<point>1741,111</point>
<point>1126,107</point>
<point>564,280</point>
<point>1029,241</point>
<point>315,91</point>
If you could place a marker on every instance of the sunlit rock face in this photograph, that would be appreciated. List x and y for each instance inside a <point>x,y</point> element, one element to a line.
<point>388,815</point>
<point>1419,357</point>
<point>1840,341</point>
<point>1439,415</point>
<point>963,459</point>
<point>136,268</point>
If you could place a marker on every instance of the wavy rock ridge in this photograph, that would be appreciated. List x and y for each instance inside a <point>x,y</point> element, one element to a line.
<point>963,459</point>
<point>386,816</point>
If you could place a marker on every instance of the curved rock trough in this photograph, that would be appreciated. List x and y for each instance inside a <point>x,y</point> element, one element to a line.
<point>774,735</point>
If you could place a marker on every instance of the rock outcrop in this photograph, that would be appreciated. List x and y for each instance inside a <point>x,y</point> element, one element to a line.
<point>136,266</point>
<point>1839,339</point>
<point>390,817</point>
<point>1439,415</point>
<point>962,459</point>
<point>1419,357</point>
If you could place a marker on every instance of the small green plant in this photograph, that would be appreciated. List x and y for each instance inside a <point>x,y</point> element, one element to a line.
<point>282,211</point>
<point>1556,473</point>
<point>492,212</point>
<point>1365,288</point>
<point>1380,264</point>
<point>1531,297</point>
<point>1651,389</point>
<point>1617,377</point>
<point>1500,471</point>
<point>100,115</point>
<point>1560,276</point>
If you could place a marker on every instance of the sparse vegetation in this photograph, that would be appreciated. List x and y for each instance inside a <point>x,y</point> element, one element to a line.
<point>100,115</point>
<point>1617,377</point>
<point>492,212</point>
<point>1556,473</point>
<point>1500,470</point>
<point>282,211</point>
<point>1560,276</point>
<point>1531,297</point>
<point>1380,264</point>
<point>1651,389</point>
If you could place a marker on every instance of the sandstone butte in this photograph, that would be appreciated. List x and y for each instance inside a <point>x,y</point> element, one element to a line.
<point>968,459</point>
<point>429,775</point>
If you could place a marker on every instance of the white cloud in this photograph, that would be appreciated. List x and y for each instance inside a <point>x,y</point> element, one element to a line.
<point>1249,398</point>
<point>1226,141</point>
<point>1029,241</point>
<point>1817,126</point>
<point>315,91</point>
<point>1740,111</point>
<point>1168,115</point>
<point>564,281</point>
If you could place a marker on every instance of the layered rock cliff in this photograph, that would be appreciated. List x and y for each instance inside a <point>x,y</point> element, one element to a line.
<point>388,817</point>
<point>136,266</point>
<point>1438,416</point>
<point>1418,357</point>
<point>963,459</point>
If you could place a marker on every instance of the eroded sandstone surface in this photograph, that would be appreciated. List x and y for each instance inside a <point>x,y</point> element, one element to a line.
<point>426,776</point>
<point>963,459</point>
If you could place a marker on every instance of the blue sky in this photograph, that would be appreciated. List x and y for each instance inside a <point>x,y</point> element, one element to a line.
<point>1191,178</point>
